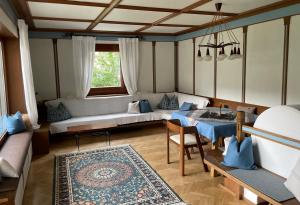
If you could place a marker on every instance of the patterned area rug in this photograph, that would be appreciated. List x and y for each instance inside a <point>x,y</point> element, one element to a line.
<point>113,175</point>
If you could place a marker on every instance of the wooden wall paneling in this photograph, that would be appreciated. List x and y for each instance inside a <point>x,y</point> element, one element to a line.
<point>176,65</point>
<point>264,63</point>
<point>244,67</point>
<point>194,66</point>
<point>164,52</point>
<point>287,21</point>
<point>229,72</point>
<point>154,65</point>
<point>293,82</point>
<point>56,68</point>
<point>185,66</point>
<point>215,65</point>
<point>14,80</point>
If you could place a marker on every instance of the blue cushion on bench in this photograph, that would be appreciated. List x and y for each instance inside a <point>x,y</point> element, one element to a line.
<point>240,155</point>
<point>145,106</point>
<point>186,106</point>
<point>14,123</point>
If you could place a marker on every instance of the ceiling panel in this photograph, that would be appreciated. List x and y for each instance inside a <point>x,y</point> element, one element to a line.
<point>117,27</point>
<point>235,6</point>
<point>189,19</point>
<point>60,24</point>
<point>172,4</point>
<point>64,10</point>
<point>134,15</point>
<point>95,1</point>
<point>165,29</point>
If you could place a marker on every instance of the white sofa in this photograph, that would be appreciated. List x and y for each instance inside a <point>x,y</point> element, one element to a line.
<point>114,109</point>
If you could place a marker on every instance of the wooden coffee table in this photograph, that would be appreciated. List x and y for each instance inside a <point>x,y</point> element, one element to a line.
<point>99,128</point>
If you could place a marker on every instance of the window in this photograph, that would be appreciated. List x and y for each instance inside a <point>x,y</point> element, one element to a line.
<point>3,109</point>
<point>107,75</point>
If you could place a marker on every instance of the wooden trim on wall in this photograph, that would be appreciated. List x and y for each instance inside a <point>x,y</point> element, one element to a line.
<point>244,63</point>
<point>56,68</point>
<point>194,66</point>
<point>154,65</point>
<point>215,65</point>
<point>23,11</point>
<point>287,23</point>
<point>176,65</point>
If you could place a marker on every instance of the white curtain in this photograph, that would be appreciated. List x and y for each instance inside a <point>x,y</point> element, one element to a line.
<point>3,107</point>
<point>83,58</point>
<point>129,54</point>
<point>29,92</point>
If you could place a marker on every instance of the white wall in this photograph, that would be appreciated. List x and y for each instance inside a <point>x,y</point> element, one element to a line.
<point>165,76</point>
<point>146,67</point>
<point>229,72</point>
<point>185,66</point>
<point>293,86</point>
<point>264,63</point>
<point>42,58</point>
<point>204,72</point>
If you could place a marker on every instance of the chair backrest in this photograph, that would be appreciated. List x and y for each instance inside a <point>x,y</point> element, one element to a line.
<point>175,126</point>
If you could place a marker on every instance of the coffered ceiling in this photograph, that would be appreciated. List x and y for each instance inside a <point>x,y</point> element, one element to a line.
<point>153,17</point>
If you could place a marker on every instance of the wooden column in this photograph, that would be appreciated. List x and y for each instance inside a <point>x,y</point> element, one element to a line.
<point>194,66</point>
<point>56,67</point>
<point>244,64</point>
<point>287,22</point>
<point>176,65</point>
<point>154,65</point>
<point>215,65</point>
<point>240,120</point>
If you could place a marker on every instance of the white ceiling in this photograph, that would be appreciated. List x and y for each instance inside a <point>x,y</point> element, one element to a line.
<point>190,19</point>
<point>64,11</point>
<point>165,29</point>
<point>235,6</point>
<point>134,15</point>
<point>61,24</point>
<point>116,27</point>
<point>63,14</point>
<point>171,4</point>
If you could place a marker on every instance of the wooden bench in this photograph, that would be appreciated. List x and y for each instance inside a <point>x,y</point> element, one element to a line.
<point>213,159</point>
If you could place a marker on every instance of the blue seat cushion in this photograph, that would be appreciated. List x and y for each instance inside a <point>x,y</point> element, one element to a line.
<point>14,124</point>
<point>164,103</point>
<point>59,113</point>
<point>240,155</point>
<point>174,105</point>
<point>186,106</point>
<point>145,106</point>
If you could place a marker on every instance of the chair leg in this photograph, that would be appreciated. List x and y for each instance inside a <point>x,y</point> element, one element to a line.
<point>201,153</point>
<point>182,152</point>
<point>187,153</point>
<point>168,147</point>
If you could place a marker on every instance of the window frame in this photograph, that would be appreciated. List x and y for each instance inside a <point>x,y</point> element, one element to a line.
<point>109,90</point>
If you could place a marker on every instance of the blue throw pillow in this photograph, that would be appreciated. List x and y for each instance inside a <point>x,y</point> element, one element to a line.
<point>59,113</point>
<point>14,123</point>
<point>174,105</point>
<point>240,155</point>
<point>186,106</point>
<point>164,103</point>
<point>145,106</point>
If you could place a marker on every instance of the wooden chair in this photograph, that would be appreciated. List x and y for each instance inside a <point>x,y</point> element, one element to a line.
<point>190,136</point>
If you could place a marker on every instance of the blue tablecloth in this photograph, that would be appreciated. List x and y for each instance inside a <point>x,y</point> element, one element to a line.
<point>209,129</point>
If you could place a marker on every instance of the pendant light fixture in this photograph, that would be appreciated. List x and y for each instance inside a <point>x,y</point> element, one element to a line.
<point>220,45</point>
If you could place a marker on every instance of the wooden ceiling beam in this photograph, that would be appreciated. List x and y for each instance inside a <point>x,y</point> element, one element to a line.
<point>185,9</point>
<point>104,13</point>
<point>23,11</point>
<point>108,22</point>
<point>263,9</point>
<point>131,7</point>
<point>101,32</point>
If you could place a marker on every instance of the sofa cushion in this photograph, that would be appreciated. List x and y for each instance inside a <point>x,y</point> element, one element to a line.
<point>59,113</point>
<point>6,170</point>
<point>145,106</point>
<point>14,123</point>
<point>134,107</point>
<point>15,149</point>
<point>164,103</point>
<point>200,102</point>
<point>186,106</point>
<point>117,118</point>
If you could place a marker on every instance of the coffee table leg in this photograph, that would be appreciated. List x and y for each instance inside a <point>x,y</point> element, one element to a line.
<point>77,138</point>
<point>108,137</point>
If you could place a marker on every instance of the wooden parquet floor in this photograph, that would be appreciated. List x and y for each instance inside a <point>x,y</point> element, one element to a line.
<point>196,188</point>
